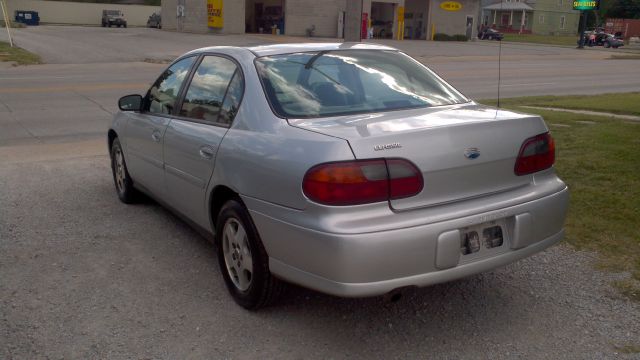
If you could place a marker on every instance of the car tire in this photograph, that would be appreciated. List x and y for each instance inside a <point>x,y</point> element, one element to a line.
<point>243,260</point>
<point>121,178</point>
<point>109,25</point>
<point>125,25</point>
<point>607,45</point>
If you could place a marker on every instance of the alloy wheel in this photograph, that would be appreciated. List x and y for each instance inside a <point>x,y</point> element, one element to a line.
<point>237,254</point>
<point>119,170</point>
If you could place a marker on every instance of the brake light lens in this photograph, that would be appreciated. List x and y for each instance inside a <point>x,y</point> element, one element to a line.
<point>362,181</point>
<point>536,154</point>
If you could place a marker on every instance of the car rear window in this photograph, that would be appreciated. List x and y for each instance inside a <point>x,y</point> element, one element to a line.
<point>343,82</point>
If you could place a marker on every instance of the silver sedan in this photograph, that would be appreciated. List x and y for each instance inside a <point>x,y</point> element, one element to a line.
<point>351,169</point>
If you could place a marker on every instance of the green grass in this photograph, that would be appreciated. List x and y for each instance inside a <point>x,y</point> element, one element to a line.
<point>629,288</point>
<point>599,162</point>
<point>627,103</point>
<point>20,56</point>
<point>568,40</point>
<point>625,57</point>
<point>628,349</point>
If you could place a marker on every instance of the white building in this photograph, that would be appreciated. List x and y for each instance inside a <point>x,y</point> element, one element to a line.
<point>422,18</point>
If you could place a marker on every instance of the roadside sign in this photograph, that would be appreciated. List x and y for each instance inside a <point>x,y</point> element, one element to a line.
<point>215,16</point>
<point>451,6</point>
<point>586,4</point>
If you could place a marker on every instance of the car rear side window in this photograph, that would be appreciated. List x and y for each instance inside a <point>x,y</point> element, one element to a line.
<point>232,99</point>
<point>164,93</point>
<point>204,97</point>
<point>343,82</point>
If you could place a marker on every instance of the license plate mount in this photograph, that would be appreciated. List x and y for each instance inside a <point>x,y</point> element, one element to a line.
<point>484,239</point>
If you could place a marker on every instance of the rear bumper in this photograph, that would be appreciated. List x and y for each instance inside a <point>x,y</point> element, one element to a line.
<point>372,263</point>
<point>327,286</point>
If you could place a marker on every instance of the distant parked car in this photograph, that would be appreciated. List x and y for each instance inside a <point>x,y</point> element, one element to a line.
<point>612,41</point>
<point>602,39</point>
<point>154,21</point>
<point>382,29</point>
<point>113,17</point>
<point>490,34</point>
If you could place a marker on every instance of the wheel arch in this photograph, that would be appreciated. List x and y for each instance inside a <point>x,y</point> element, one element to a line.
<point>219,195</point>
<point>111,135</point>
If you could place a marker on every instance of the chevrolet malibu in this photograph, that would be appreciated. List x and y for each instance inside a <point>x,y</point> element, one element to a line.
<point>351,169</point>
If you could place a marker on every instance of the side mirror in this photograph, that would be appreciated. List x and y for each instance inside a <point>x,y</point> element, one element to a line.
<point>130,103</point>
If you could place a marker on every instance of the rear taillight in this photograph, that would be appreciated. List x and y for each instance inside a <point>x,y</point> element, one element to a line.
<point>536,154</point>
<point>362,181</point>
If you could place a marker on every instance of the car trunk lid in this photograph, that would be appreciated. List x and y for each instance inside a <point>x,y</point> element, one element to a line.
<point>463,151</point>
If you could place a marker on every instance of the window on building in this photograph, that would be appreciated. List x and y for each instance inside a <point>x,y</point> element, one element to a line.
<point>541,19</point>
<point>562,22</point>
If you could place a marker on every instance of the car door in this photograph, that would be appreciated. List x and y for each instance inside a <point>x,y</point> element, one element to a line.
<point>145,130</point>
<point>192,138</point>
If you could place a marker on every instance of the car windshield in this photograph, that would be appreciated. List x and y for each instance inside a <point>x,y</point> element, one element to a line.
<point>112,12</point>
<point>343,82</point>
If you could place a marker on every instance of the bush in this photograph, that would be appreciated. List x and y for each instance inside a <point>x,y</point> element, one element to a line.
<point>13,24</point>
<point>441,37</point>
<point>445,37</point>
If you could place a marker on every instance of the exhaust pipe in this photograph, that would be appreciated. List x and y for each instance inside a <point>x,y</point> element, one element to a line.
<point>393,296</point>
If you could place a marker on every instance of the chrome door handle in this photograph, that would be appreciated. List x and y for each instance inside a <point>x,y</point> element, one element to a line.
<point>207,152</point>
<point>156,136</point>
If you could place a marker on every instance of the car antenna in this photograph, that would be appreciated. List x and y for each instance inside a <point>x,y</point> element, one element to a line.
<point>499,62</point>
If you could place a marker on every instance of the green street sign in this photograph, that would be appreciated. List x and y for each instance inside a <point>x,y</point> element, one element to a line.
<point>586,4</point>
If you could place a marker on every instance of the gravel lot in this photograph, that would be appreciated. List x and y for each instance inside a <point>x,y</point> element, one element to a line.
<point>84,276</point>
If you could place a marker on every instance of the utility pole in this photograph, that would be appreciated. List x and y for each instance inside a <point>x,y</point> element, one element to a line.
<point>7,22</point>
<point>583,6</point>
<point>583,26</point>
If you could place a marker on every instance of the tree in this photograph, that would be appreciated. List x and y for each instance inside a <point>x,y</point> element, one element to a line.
<point>626,9</point>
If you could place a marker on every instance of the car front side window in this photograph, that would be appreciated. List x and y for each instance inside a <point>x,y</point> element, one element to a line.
<point>206,92</point>
<point>165,91</point>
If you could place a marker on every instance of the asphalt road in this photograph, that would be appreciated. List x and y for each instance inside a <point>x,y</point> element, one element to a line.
<point>84,276</point>
<point>88,68</point>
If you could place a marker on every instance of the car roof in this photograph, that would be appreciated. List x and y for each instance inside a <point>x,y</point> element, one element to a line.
<point>277,49</point>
